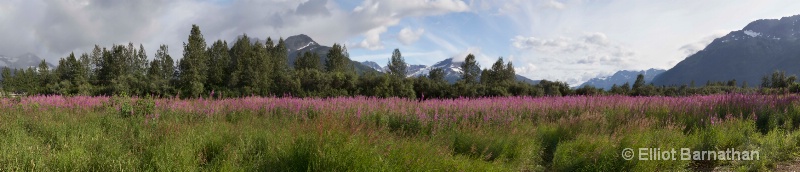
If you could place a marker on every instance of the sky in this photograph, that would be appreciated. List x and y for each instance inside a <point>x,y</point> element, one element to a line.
<point>564,40</point>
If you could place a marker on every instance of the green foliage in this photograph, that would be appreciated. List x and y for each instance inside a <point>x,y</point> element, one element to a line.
<point>437,75</point>
<point>194,65</point>
<point>309,60</point>
<point>262,70</point>
<point>470,70</point>
<point>590,90</point>
<point>160,73</point>
<point>313,82</point>
<point>283,79</point>
<point>397,65</point>
<point>338,60</point>
<point>219,66</point>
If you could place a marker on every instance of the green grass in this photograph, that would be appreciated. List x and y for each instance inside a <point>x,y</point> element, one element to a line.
<point>102,140</point>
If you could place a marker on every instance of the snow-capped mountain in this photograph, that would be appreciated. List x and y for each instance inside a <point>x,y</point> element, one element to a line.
<point>414,70</point>
<point>297,44</point>
<point>411,70</point>
<point>758,49</point>
<point>452,70</point>
<point>373,65</point>
<point>300,42</point>
<point>621,77</point>
<point>23,61</point>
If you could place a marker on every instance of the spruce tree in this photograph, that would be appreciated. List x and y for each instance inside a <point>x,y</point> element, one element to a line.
<point>397,65</point>
<point>470,70</point>
<point>193,65</point>
<point>338,60</point>
<point>219,64</point>
<point>307,61</point>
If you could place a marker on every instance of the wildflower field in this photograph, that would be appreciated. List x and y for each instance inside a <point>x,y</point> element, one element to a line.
<point>55,133</point>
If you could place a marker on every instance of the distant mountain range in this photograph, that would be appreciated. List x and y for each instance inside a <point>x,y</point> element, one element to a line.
<point>410,69</point>
<point>298,44</point>
<point>621,77</point>
<point>451,69</point>
<point>760,48</point>
<point>23,61</point>
<point>303,43</point>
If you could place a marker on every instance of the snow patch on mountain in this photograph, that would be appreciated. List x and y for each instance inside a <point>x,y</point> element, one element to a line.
<point>309,44</point>
<point>752,33</point>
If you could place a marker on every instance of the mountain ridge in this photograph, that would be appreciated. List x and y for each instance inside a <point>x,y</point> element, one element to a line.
<point>23,61</point>
<point>621,77</point>
<point>451,70</point>
<point>760,48</point>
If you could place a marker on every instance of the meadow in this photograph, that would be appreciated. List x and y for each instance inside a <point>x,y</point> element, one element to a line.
<point>576,133</point>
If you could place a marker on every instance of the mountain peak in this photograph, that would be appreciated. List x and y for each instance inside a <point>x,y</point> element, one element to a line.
<point>298,42</point>
<point>760,48</point>
<point>373,65</point>
<point>22,61</point>
<point>621,77</point>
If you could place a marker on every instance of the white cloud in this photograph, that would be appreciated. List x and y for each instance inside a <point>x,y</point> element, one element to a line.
<point>694,47</point>
<point>596,38</point>
<point>526,69</point>
<point>461,56</point>
<point>389,13</point>
<point>408,36</point>
<point>590,53</point>
<point>601,59</point>
<point>588,42</point>
<point>554,4</point>
<point>373,39</point>
<point>54,28</point>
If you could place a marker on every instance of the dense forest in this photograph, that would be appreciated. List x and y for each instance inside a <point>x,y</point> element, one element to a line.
<point>262,69</point>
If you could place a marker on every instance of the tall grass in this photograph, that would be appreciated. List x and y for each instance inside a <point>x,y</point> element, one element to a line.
<point>54,133</point>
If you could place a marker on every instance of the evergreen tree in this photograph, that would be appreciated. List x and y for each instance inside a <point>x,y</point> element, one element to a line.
<point>193,65</point>
<point>639,83</point>
<point>106,70</point>
<point>626,88</point>
<point>242,74</point>
<point>307,61</point>
<point>498,73</point>
<point>436,75</point>
<point>160,73</point>
<point>95,60</point>
<point>167,64</point>
<point>75,73</point>
<point>130,59</point>
<point>140,61</point>
<point>31,81</point>
<point>45,78</point>
<point>219,64</point>
<point>156,81</point>
<point>397,65</point>
<point>280,58</point>
<point>261,70</point>
<point>509,73</point>
<point>7,82</point>
<point>284,82</point>
<point>470,70</point>
<point>338,60</point>
<point>86,63</point>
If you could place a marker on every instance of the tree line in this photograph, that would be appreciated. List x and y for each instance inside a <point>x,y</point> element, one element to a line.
<point>262,69</point>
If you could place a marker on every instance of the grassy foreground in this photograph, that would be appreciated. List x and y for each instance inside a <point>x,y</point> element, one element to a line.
<point>370,134</point>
